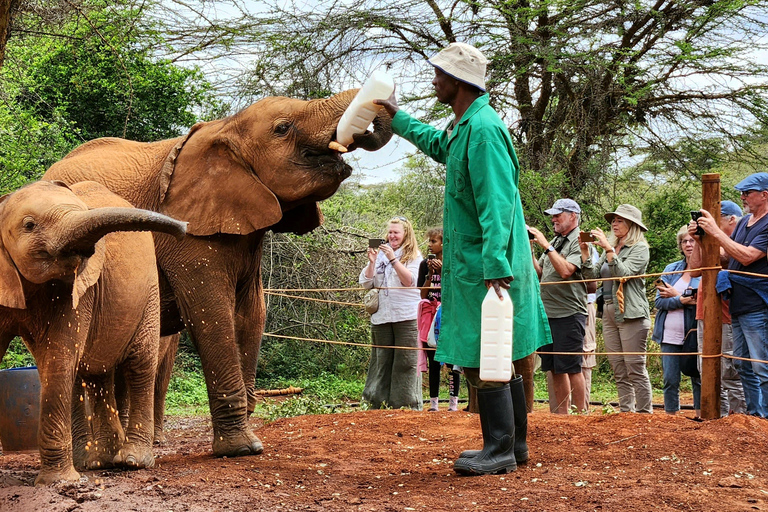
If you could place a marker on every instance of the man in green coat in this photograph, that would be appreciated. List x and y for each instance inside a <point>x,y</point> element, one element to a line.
<point>485,244</point>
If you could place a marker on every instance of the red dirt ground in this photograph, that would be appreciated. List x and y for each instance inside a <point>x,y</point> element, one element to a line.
<point>402,460</point>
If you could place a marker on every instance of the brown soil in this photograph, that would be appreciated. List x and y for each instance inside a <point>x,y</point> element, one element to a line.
<point>402,460</point>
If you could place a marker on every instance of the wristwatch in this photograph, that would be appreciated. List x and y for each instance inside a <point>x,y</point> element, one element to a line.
<point>549,250</point>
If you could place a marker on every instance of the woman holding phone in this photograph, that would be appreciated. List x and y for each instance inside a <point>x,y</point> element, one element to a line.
<point>626,316</point>
<point>393,377</point>
<point>676,323</point>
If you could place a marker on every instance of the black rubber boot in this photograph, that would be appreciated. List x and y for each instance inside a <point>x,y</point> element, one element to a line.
<point>517,390</point>
<point>497,455</point>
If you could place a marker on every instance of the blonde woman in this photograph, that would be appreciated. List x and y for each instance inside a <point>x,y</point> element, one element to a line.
<point>393,377</point>
<point>625,325</point>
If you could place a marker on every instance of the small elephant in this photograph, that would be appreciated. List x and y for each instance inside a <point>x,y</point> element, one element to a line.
<point>264,168</point>
<point>83,294</point>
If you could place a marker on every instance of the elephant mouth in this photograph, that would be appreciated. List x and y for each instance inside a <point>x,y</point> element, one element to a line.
<point>328,163</point>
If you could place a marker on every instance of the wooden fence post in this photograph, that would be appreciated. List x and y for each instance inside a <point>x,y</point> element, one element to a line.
<point>710,366</point>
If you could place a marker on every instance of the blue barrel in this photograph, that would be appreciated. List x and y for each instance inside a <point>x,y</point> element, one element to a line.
<point>19,409</point>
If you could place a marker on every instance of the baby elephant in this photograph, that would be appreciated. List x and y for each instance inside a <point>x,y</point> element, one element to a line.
<point>82,292</point>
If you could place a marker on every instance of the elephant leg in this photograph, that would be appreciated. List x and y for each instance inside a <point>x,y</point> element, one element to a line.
<point>169,345</point>
<point>204,273</point>
<point>220,357</point>
<point>140,369</point>
<point>108,434</point>
<point>122,399</point>
<point>81,432</point>
<point>525,367</point>
<point>250,314</point>
<point>57,378</point>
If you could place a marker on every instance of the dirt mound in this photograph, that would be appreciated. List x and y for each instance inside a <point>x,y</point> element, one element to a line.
<point>402,460</point>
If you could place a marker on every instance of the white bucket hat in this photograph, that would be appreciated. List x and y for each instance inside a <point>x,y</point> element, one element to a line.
<point>463,62</point>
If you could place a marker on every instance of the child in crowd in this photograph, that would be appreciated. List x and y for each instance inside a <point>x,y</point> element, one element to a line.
<point>429,275</point>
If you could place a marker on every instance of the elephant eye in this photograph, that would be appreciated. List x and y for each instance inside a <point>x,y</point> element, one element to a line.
<point>282,128</point>
<point>29,224</point>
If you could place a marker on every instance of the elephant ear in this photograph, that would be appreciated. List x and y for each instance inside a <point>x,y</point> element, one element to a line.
<point>300,220</point>
<point>11,290</point>
<point>207,184</point>
<point>89,272</point>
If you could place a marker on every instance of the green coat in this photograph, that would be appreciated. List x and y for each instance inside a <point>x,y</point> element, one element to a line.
<point>484,234</point>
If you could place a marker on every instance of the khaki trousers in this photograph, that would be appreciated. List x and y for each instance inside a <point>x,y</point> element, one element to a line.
<point>632,381</point>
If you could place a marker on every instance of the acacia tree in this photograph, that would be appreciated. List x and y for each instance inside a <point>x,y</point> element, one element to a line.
<point>581,83</point>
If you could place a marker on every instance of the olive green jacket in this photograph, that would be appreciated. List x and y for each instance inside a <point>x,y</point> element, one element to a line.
<point>630,261</point>
<point>484,234</point>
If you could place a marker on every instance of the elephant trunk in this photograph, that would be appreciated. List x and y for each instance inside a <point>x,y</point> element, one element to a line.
<point>90,226</point>
<point>382,123</point>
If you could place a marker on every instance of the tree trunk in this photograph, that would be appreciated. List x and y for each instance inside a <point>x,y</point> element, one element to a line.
<point>6,7</point>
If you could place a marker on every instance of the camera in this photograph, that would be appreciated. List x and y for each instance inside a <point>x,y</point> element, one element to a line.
<point>374,243</point>
<point>431,256</point>
<point>690,292</point>
<point>696,216</point>
<point>586,236</point>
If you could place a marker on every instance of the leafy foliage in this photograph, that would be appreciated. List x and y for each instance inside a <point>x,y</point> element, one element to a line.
<point>92,75</point>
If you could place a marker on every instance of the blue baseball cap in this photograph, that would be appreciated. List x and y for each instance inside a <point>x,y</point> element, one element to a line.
<point>757,181</point>
<point>730,208</point>
<point>564,205</point>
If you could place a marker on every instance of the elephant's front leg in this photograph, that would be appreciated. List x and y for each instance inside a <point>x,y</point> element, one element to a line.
<point>54,436</point>
<point>250,317</point>
<point>210,322</point>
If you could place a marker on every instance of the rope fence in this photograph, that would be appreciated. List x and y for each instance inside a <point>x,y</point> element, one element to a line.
<point>287,293</point>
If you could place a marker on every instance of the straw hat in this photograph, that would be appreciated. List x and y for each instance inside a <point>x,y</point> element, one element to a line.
<point>627,212</point>
<point>463,62</point>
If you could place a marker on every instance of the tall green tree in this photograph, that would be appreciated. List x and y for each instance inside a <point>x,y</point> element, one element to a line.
<point>582,84</point>
<point>88,72</point>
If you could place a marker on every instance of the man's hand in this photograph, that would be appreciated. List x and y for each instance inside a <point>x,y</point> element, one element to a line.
<point>389,104</point>
<point>538,237</point>
<point>498,284</point>
<point>707,223</point>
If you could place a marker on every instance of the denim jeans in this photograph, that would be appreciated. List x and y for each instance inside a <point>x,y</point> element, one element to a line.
<point>749,340</point>
<point>671,372</point>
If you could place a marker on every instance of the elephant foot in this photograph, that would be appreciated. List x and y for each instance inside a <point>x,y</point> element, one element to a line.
<point>159,437</point>
<point>134,456</point>
<point>237,445</point>
<point>99,456</point>
<point>48,476</point>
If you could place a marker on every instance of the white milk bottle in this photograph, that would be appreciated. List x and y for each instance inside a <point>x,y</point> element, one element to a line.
<point>496,337</point>
<point>362,110</point>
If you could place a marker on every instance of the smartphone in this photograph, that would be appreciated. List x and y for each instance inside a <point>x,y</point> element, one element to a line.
<point>431,256</point>
<point>374,243</point>
<point>659,282</point>
<point>695,215</point>
<point>586,236</point>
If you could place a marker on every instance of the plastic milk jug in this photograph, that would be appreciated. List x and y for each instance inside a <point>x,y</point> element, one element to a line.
<point>496,337</point>
<point>362,110</point>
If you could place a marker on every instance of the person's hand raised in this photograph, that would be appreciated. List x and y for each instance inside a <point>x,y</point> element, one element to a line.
<point>389,104</point>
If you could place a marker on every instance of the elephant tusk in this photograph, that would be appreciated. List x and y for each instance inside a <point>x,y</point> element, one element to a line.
<point>337,147</point>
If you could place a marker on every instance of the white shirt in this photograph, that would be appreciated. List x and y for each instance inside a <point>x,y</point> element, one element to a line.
<point>394,305</point>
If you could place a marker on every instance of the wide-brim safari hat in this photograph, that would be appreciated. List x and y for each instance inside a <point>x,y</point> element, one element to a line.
<point>627,212</point>
<point>463,62</point>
